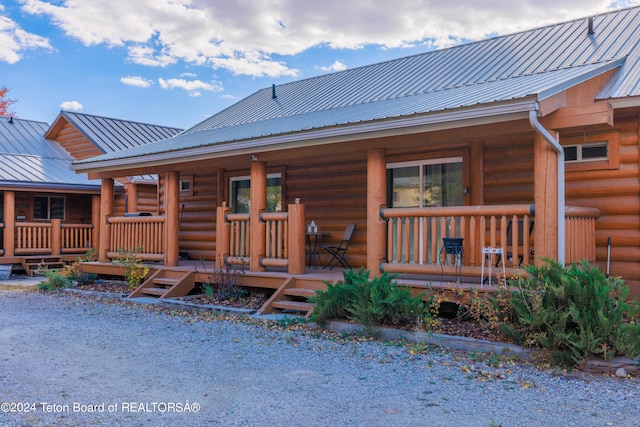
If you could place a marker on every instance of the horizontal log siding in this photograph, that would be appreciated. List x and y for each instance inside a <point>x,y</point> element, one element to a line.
<point>334,193</point>
<point>508,171</point>
<point>616,193</point>
<point>197,215</point>
<point>76,143</point>
<point>148,198</point>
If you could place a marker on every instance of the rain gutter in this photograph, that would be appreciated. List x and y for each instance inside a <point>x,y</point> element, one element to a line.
<point>555,144</point>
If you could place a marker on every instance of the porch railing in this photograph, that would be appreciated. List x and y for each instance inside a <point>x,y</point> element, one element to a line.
<point>414,236</point>
<point>284,242</point>
<point>33,238</point>
<point>76,238</point>
<point>580,233</point>
<point>239,239</point>
<point>142,234</point>
<point>52,238</point>
<point>276,245</point>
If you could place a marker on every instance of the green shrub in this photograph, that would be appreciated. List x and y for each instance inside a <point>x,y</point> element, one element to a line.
<point>56,279</point>
<point>573,312</point>
<point>367,301</point>
<point>136,272</point>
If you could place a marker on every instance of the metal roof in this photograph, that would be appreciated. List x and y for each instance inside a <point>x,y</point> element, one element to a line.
<point>28,159</point>
<point>111,135</point>
<point>536,63</point>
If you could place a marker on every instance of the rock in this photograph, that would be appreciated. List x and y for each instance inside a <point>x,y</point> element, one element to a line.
<point>621,373</point>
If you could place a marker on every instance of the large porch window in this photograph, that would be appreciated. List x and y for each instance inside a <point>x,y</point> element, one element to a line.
<point>425,183</point>
<point>241,193</point>
<point>48,207</point>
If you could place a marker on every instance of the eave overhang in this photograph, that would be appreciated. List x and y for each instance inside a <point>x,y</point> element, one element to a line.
<point>419,123</point>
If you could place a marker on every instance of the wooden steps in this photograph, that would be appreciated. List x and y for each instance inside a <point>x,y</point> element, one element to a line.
<point>166,283</point>
<point>32,264</point>
<point>292,296</point>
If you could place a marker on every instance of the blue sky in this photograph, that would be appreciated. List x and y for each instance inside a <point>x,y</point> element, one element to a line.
<point>176,62</point>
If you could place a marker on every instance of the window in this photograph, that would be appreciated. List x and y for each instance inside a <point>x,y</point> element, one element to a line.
<point>591,151</point>
<point>241,193</point>
<point>186,185</point>
<point>587,152</point>
<point>48,207</point>
<point>426,183</point>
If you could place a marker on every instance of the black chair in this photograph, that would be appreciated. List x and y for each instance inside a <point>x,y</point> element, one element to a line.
<point>338,252</point>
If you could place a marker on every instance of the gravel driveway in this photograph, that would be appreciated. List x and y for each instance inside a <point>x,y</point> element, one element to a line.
<point>67,360</point>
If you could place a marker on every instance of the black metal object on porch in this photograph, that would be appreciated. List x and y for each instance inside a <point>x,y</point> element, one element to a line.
<point>452,246</point>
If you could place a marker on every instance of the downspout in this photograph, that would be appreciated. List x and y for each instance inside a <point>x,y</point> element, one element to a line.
<point>537,126</point>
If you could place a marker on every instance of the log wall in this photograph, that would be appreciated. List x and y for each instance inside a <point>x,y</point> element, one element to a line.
<point>197,223</point>
<point>616,192</point>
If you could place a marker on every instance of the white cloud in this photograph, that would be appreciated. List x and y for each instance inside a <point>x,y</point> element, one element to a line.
<point>255,37</point>
<point>136,81</point>
<point>14,40</point>
<point>336,66</point>
<point>145,55</point>
<point>192,87</point>
<point>71,105</point>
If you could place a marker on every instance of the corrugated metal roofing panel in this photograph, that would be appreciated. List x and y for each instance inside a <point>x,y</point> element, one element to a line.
<point>27,158</point>
<point>115,134</point>
<point>465,96</point>
<point>538,62</point>
<point>536,51</point>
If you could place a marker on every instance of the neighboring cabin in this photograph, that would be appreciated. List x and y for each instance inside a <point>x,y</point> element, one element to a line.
<point>465,142</point>
<point>47,209</point>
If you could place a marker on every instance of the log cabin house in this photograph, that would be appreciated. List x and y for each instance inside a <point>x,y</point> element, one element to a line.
<point>525,142</point>
<point>49,213</point>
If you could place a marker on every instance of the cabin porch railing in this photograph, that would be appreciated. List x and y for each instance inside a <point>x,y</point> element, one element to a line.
<point>283,240</point>
<point>52,238</point>
<point>580,234</point>
<point>141,234</point>
<point>414,236</point>
<point>276,234</point>
<point>239,239</point>
<point>76,238</point>
<point>34,238</point>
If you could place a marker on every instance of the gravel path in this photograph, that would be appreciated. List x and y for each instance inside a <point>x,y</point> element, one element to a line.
<point>63,355</point>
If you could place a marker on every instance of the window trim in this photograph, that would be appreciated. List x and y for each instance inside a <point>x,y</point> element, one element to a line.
<point>611,162</point>
<point>421,163</point>
<point>49,197</point>
<point>189,191</point>
<point>237,178</point>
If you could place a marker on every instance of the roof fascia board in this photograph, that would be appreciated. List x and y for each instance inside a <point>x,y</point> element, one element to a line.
<point>569,83</point>
<point>405,125</point>
<point>628,102</point>
<point>27,186</point>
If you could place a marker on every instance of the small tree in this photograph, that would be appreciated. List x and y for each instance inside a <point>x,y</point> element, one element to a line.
<point>5,103</point>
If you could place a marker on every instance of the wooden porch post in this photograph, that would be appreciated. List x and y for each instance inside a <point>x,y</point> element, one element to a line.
<point>223,229</point>
<point>297,247</point>
<point>172,218</point>
<point>258,205</point>
<point>376,199</point>
<point>56,237</point>
<point>9,223</point>
<point>106,209</point>
<point>95,220</point>
<point>545,191</point>
<point>132,197</point>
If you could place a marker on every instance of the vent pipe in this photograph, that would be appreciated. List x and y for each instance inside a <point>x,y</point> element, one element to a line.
<point>590,29</point>
<point>273,91</point>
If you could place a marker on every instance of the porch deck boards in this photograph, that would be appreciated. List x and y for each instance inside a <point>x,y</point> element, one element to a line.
<point>313,279</point>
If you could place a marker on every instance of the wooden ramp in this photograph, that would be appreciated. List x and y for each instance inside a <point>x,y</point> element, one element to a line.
<point>292,296</point>
<point>166,283</point>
